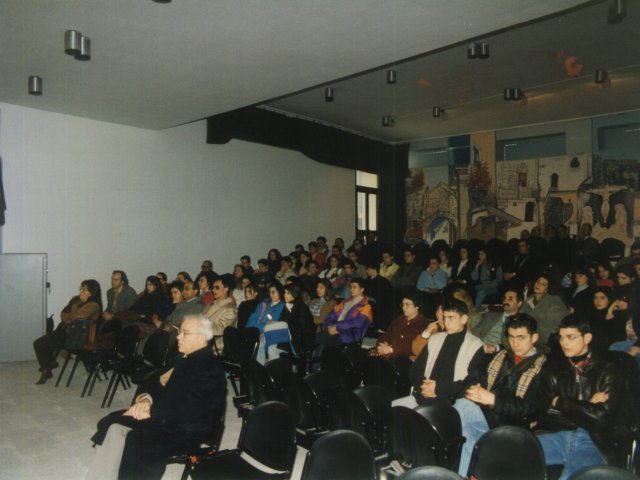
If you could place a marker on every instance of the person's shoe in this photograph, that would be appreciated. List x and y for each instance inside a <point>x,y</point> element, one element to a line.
<point>46,375</point>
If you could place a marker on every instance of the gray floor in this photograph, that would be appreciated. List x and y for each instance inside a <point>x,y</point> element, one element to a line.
<point>45,431</point>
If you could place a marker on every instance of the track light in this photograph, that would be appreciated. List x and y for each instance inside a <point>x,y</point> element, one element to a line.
<point>35,85</point>
<point>72,42</point>
<point>391,76</point>
<point>328,94</point>
<point>437,112</point>
<point>512,94</point>
<point>478,50</point>
<point>387,121</point>
<point>601,76</point>
<point>85,49</point>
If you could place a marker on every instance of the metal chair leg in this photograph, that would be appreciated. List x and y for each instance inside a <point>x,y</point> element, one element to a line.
<point>73,370</point>
<point>64,366</point>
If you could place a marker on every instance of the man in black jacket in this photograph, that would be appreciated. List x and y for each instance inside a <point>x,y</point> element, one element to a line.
<point>506,392</point>
<point>579,401</point>
<point>174,416</point>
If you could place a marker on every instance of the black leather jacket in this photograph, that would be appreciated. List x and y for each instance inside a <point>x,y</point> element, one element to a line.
<point>599,419</point>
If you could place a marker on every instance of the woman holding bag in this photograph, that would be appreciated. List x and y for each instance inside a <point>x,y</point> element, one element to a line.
<point>87,305</point>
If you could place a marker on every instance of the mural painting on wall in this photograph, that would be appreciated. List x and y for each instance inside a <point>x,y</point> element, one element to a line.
<point>431,212</point>
<point>529,193</point>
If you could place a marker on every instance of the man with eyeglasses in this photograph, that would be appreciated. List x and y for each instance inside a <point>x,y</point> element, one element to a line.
<point>580,402</point>
<point>222,312</point>
<point>173,416</point>
<point>506,391</point>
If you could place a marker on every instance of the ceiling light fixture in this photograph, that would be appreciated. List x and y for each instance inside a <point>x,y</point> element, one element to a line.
<point>85,49</point>
<point>512,94</point>
<point>437,112</point>
<point>162,1</point>
<point>617,11</point>
<point>328,94</point>
<point>391,76</point>
<point>387,121</point>
<point>601,76</point>
<point>478,50</point>
<point>35,85</point>
<point>72,42</point>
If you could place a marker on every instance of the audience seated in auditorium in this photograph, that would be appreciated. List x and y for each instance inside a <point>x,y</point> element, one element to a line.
<point>162,278</point>
<point>579,396</point>
<point>406,276</point>
<point>269,310</point>
<point>360,271</point>
<point>190,304</point>
<point>442,371</point>
<point>604,274</point>
<point>222,312</point>
<point>580,294</point>
<point>388,267</point>
<point>273,261</point>
<point>310,277</point>
<point>207,266</point>
<point>333,271</point>
<point>246,308</point>
<point>151,303</point>
<point>316,256</point>
<point>262,277</point>
<point>285,270</point>
<point>87,305</point>
<point>517,272</point>
<point>461,270</point>
<point>323,303</point>
<point>172,417</point>
<point>506,391</point>
<point>607,319</point>
<point>486,277</point>
<point>205,283</point>
<point>380,297</point>
<point>349,320</point>
<point>491,328</point>
<point>432,283</point>
<point>445,262</point>
<point>120,296</point>
<point>548,309</point>
<point>323,248</point>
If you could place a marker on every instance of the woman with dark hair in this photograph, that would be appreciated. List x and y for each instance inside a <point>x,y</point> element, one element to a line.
<point>298,319</point>
<point>487,276</point>
<point>269,310</point>
<point>205,280</point>
<point>152,301</point>
<point>323,303</point>
<point>396,340</point>
<point>239,273</point>
<point>273,260</point>
<point>333,271</point>
<point>87,305</point>
<point>607,318</point>
<point>604,274</point>
<point>548,309</point>
<point>580,294</point>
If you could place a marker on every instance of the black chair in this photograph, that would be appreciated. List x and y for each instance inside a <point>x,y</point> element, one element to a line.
<point>336,360</point>
<point>505,453</point>
<point>377,402</point>
<point>278,367</point>
<point>240,347</point>
<point>431,472</point>
<point>612,249</point>
<point>332,403</point>
<point>342,454</point>
<point>268,436</point>
<point>445,420</point>
<point>603,472</point>
<point>256,387</point>
<point>379,371</point>
<point>413,440</point>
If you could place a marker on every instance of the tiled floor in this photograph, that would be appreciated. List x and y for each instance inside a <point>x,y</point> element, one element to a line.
<point>45,431</point>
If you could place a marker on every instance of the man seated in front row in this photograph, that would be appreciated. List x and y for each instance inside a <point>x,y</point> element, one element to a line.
<point>506,393</point>
<point>491,327</point>
<point>348,321</point>
<point>579,401</point>
<point>190,305</point>
<point>173,417</point>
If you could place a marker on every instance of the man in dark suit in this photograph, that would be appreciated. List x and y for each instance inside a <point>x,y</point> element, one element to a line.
<point>174,415</point>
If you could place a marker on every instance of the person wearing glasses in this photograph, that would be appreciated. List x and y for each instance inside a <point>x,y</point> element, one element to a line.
<point>172,416</point>
<point>580,402</point>
<point>222,312</point>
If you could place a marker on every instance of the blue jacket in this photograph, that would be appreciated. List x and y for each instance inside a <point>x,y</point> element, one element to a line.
<point>258,318</point>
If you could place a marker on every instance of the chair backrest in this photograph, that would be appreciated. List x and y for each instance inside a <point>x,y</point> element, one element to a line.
<point>278,367</point>
<point>413,440</point>
<point>232,339</point>
<point>332,400</point>
<point>340,454</point>
<point>296,393</point>
<point>378,371</point>
<point>256,383</point>
<point>612,248</point>
<point>155,348</point>
<point>377,401</point>
<point>217,430</point>
<point>336,361</point>
<point>507,452</point>
<point>445,420</point>
<point>250,342</point>
<point>603,472</point>
<point>430,472</point>
<point>269,436</point>
<point>127,340</point>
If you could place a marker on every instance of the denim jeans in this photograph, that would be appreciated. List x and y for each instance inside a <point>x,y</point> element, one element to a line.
<point>572,448</point>
<point>624,346</point>
<point>474,425</point>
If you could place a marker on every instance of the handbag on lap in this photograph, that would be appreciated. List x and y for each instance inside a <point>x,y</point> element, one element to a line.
<point>81,335</point>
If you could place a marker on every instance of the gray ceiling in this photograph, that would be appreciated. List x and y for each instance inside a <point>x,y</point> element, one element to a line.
<point>155,66</point>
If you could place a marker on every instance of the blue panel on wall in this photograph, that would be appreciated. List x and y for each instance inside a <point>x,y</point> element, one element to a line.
<point>460,149</point>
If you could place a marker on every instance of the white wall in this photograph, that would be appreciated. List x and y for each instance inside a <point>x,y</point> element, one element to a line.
<point>97,196</point>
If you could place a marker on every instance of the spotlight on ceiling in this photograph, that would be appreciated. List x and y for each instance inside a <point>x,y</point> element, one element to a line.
<point>512,94</point>
<point>601,76</point>
<point>35,85</point>
<point>328,94</point>
<point>478,50</point>
<point>85,49</point>
<point>437,112</point>
<point>72,42</point>
<point>162,1</point>
<point>391,76</point>
<point>387,121</point>
<point>617,11</point>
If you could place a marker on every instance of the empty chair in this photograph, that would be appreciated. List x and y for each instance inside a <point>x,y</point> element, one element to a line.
<point>431,472</point>
<point>256,387</point>
<point>380,371</point>
<point>332,403</point>
<point>612,249</point>
<point>377,402</point>
<point>342,454</point>
<point>336,361</point>
<point>603,472</point>
<point>278,367</point>
<point>505,453</point>
<point>240,347</point>
<point>445,420</point>
<point>268,436</point>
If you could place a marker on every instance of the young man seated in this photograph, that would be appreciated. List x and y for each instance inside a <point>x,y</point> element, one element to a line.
<point>506,392</point>
<point>579,402</point>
